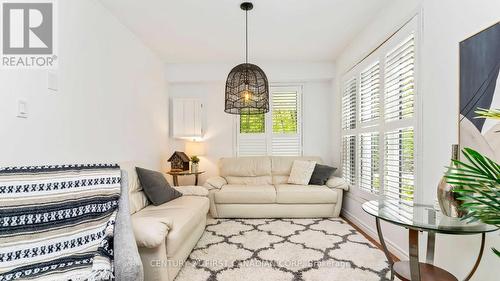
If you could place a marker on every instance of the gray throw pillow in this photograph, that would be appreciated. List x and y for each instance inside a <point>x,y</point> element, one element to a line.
<point>156,186</point>
<point>321,174</point>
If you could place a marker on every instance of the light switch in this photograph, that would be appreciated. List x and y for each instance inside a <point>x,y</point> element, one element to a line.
<point>52,81</point>
<point>22,109</point>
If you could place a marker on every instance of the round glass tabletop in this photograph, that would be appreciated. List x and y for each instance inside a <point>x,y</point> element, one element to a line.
<point>422,217</point>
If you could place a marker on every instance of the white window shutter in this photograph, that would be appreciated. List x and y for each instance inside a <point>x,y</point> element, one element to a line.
<point>349,158</point>
<point>369,166</point>
<point>369,94</point>
<point>399,104</point>
<point>252,145</point>
<point>378,133</point>
<point>286,146</point>
<point>400,81</point>
<point>349,105</point>
<point>399,165</point>
<point>278,132</point>
<point>286,137</point>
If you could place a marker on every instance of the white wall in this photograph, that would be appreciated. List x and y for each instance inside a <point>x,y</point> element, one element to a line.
<point>111,105</point>
<point>445,24</point>
<point>207,82</point>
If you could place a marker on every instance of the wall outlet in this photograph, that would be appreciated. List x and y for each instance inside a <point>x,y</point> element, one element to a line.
<point>22,109</point>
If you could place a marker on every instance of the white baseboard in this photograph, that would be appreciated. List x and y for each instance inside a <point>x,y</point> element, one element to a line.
<point>392,247</point>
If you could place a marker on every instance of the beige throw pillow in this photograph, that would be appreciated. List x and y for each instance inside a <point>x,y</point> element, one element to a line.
<point>301,172</point>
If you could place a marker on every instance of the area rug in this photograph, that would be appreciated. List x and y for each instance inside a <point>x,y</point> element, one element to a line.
<point>284,250</point>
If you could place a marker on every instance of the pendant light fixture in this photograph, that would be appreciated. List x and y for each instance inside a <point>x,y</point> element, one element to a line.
<point>247,88</point>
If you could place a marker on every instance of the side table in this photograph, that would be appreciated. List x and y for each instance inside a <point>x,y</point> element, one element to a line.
<point>422,218</point>
<point>176,174</point>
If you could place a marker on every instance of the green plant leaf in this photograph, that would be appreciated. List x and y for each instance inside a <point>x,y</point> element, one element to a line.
<point>477,184</point>
<point>487,113</point>
<point>496,252</point>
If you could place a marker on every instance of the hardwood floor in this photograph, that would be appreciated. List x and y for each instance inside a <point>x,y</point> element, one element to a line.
<point>375,242</point>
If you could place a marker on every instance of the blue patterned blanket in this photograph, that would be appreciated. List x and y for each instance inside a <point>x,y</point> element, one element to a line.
<point>57,222</point>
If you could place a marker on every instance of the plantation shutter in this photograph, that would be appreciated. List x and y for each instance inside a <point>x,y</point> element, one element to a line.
<point>399,162</point>
<point>286,136</point>
<point>378,120</point>
<point>349,158</point>
<point>278,132</point>
<point>349,123</point>
<point>399,143</point>
<point>369,172</point>
<point>369,94</point>
<point>252,145</point>
<point>252,137</point>
<point>400,81</point>
<point>349,105</point>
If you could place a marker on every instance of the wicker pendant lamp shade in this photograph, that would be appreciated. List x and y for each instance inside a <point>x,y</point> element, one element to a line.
<point>247,88</point>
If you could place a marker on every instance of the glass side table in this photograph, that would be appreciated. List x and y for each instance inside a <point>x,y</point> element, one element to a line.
<point>417,218</point>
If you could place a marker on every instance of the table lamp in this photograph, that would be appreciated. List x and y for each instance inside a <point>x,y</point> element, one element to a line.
<point>195,149</point>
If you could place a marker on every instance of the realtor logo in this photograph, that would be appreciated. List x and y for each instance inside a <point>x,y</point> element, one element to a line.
<point>28,34</point>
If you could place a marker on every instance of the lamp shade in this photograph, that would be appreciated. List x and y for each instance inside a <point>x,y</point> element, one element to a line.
<point>195,148</point>
<point>247,90</point>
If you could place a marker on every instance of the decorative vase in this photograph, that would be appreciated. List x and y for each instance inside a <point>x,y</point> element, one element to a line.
<point>194,167</point>
<point>448,202</point>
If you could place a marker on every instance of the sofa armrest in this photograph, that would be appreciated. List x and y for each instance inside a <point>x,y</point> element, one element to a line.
<point>150,232</point>
<point>127,262</point>
<point>336,182</point>
<point>215,182</point>
<point>192,191</point>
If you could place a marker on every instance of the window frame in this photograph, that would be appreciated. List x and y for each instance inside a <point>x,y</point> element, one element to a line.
<point>380,126</point>
<point>269,134</point>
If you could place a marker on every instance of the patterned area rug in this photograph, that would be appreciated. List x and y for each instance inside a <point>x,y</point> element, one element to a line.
<point>284,250</point>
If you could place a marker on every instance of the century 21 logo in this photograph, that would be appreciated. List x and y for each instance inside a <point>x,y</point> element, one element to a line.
<point>27,28</point>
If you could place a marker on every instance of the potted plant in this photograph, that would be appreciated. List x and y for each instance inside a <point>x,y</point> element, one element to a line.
<point>195,160</point>
<point>477,183</point>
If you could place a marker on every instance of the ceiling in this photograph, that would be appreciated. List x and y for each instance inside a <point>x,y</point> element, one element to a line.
<point>208,31</point>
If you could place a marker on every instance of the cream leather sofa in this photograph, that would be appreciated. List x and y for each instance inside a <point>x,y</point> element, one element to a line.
<point>166,234</point>
<point>256,187</point>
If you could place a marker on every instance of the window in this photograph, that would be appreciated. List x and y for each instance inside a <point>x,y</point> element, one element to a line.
<point>253,124</point>
<point>399,164</point>
<point>369,162</point>
<point>399,107</point>
<point>369,94</point>
<point>349,105</point>
<point>276,133</point>
<point>348,158</point>
<point>378,119</point>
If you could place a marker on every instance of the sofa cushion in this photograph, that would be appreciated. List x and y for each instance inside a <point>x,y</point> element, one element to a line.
<point>301,172</point>
<point>156,186</point>
<point>321,174</point>
<point>137,198</point>
<point>262,180</point>
<point>280,179</point>
<point>215,182</point>
<point>282,165</point>
<point>245,166</point>
<point>185,213</point>
<point>305,194</point>
<point>192,190</point>
<point>246,194</point>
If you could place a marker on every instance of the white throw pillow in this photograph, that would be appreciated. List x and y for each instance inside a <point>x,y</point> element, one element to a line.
<point>301,172</point>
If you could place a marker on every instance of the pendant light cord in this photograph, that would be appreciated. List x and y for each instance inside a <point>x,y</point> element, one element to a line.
<point>246,36</point>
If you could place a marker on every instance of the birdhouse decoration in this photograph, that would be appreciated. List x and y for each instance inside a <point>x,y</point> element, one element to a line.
<point>179,161</point>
